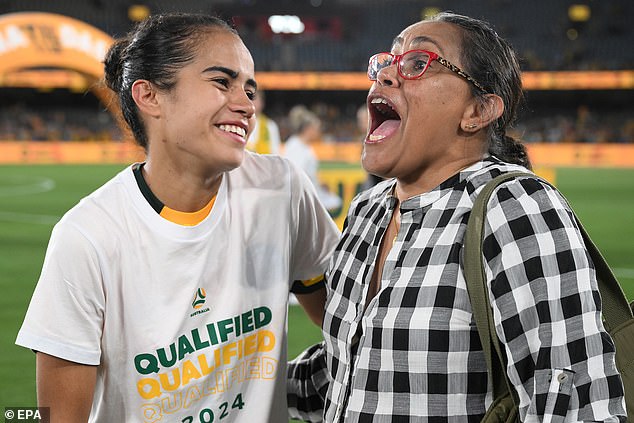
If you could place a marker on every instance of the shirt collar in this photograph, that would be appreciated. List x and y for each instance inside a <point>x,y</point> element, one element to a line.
<point>454,182</point>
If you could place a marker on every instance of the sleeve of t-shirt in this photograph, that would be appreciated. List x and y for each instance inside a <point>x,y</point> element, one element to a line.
<point>308,286</point>
<point>65,316</point>
<point>314,233</point>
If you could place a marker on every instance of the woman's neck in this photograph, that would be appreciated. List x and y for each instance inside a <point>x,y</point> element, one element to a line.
<point>186,192</point>
<point>429,179</point>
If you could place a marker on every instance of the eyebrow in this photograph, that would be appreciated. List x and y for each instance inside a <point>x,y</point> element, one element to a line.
<point>418,40</point>
<point>230,73</point>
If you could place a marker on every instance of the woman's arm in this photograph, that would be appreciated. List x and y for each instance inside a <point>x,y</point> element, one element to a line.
<point>546,307</point>
<point>65,387</point>
<point>314,304</point>
<point>307,384</point>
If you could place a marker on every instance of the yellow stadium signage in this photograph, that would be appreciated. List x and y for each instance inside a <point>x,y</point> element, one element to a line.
<point>35,40</point>
<point>47,50</point>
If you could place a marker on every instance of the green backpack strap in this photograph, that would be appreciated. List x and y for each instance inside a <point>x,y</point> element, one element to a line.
<point>615,307</point>
<point>478,291</point>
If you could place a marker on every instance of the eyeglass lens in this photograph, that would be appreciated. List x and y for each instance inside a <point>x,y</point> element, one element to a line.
<point>378,62</point>
<point>411,65</point>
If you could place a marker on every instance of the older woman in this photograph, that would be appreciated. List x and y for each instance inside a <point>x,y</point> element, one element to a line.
<point>400,340</point>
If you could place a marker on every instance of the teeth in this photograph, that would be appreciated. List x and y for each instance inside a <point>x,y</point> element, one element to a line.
<point>235,129</point>
<point>379,101</point>
<point>373,137</point>
<point>382,106</point>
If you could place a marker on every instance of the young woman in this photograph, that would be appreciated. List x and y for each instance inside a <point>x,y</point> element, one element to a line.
<point>400,340</point>
<point>163,295</point>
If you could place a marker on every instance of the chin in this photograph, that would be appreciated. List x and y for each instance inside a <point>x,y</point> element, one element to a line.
<point>232,161</point>
<point>238,159</point>
<point>371,165</point>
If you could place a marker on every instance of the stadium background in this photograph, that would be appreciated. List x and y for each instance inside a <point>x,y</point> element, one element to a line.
<point>59,137</point>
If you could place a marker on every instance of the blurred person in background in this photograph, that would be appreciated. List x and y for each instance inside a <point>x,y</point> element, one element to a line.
<point>401,343</point>
<point>298,148</point>
<point>265,138</point>
<point>177,271</point>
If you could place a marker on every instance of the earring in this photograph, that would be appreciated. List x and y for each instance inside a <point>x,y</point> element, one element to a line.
<point>471,126</point>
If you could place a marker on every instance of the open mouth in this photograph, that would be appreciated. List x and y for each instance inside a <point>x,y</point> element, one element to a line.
<point>384,120</point>
<point>233,129</point>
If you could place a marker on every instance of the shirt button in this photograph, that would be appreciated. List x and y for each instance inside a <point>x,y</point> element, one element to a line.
<point>562,378</point>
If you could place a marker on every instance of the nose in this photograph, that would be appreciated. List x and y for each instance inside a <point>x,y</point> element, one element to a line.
<point>388,75</point>
<point>242,104</point>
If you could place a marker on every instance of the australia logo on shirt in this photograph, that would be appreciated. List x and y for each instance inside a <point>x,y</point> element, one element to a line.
<point>200,296</point>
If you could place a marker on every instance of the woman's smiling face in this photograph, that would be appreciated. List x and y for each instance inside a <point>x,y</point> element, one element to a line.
<point>209,113</point>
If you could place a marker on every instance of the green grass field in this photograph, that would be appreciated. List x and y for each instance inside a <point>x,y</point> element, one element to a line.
<point>32,198</point>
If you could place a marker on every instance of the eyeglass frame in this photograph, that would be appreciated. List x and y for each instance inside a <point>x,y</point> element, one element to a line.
<point>396,58</point>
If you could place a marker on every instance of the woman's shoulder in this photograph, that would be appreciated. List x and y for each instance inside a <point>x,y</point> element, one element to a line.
<point>263,170</point>
<point>103,198</point>
<point>256,162</point>
<point>483,172</point>
<point>105,205</point>
<point>526,187</point>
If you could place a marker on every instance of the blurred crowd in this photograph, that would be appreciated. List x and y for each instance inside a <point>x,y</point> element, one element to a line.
<point>339,124</point>
<point>24,123</point>
<point>580,126</point>
<point>583,125</point>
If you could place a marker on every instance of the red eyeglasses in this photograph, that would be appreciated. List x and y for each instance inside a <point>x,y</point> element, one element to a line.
<point>413,64</point>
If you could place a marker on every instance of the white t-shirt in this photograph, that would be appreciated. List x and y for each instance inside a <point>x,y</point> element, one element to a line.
<point>186,323</point>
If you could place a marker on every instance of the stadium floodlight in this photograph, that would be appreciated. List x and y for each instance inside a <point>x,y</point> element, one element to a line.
<point>286,24</point>
<point>579,13</point>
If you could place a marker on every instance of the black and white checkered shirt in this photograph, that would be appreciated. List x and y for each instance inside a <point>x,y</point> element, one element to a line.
<point>414,353</point>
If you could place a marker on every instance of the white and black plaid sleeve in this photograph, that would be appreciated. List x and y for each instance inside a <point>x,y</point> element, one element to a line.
<point>546,307</point>
<point>306,385</point>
